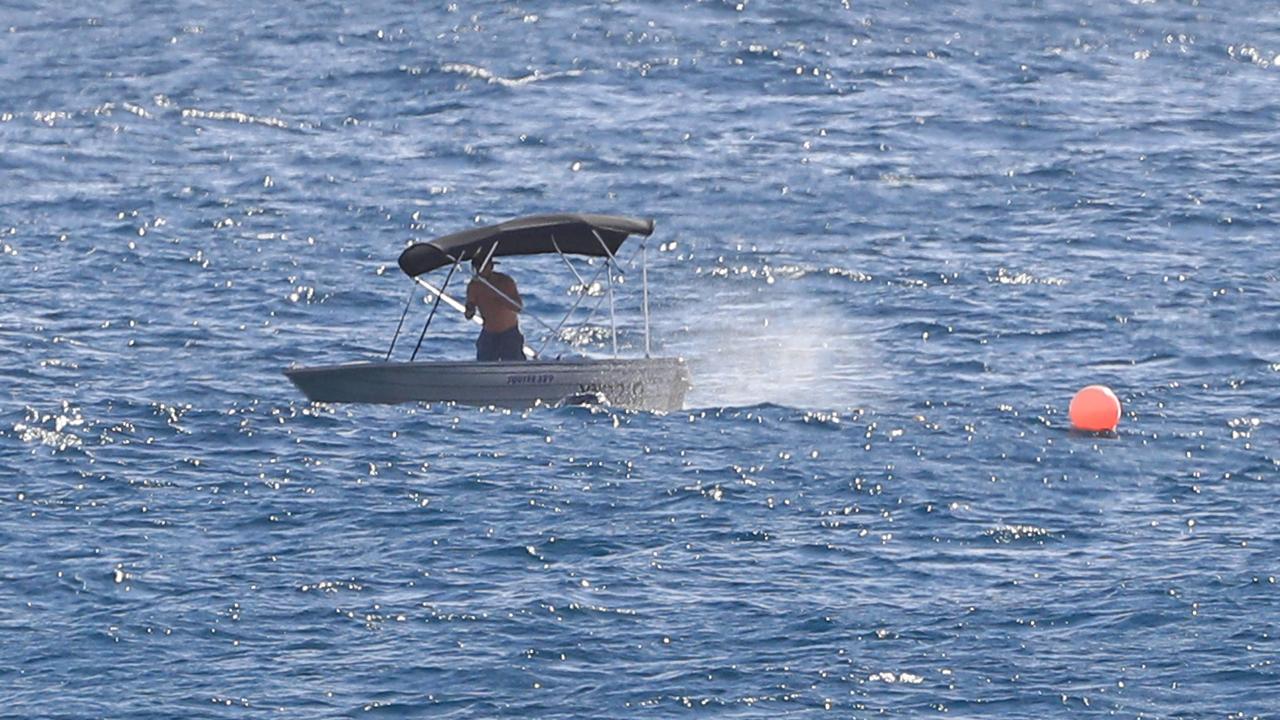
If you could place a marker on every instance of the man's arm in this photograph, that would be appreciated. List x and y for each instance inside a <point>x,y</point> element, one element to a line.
<point>471,300</point>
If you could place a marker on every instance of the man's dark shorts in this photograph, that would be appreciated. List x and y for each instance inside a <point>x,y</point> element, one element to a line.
<point>503,346</point>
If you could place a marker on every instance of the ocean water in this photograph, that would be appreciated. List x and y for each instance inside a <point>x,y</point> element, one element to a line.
<point>893,238</point>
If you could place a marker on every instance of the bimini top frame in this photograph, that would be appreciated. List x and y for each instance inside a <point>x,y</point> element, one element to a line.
<point>563,234</point>
<point>573,234</point>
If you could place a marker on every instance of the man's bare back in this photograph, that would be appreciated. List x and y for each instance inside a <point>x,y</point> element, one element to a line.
<point>498,313</point>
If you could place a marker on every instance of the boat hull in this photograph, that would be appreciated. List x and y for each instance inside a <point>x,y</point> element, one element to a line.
<point>641,384</point>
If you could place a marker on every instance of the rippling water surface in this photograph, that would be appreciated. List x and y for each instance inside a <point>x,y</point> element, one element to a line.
<point>893,239</point>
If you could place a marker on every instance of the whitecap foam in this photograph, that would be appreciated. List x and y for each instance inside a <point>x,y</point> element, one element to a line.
<point>482,73</point>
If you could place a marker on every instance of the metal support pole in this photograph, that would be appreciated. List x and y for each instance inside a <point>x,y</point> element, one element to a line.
<point>572,269</point>
<point>594,308</point>
<point>644,284</point>
<point>452,267</point>
<point>413,291</point>
<point>613,318</point>
<point>581,296</point>
<point>608,252</point>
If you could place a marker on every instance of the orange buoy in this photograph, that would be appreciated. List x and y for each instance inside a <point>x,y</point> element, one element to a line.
<point>1095,409</point>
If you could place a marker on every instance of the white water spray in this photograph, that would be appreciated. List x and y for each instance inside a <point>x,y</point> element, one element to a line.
<point>799,353</point>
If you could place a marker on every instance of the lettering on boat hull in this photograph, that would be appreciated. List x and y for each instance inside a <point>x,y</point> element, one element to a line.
<point>619,392</point>
<point>531,379</point>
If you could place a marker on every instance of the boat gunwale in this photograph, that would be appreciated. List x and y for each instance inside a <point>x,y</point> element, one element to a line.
<point>498,366</point>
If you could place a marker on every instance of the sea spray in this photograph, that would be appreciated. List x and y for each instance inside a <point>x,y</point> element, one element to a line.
<point>798,353</point>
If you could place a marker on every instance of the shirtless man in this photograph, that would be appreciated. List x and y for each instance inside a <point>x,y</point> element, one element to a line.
<point>500,338</point>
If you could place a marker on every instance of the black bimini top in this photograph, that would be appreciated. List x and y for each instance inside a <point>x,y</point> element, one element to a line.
<point>574,234</point>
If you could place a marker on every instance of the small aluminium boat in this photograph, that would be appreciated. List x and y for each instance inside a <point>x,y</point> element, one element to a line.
<point>644,383</point>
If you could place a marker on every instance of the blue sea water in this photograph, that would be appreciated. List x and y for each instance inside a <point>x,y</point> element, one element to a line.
<point>893,238</point>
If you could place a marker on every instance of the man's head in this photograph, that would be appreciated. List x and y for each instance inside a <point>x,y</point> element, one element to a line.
<point>481,267</point>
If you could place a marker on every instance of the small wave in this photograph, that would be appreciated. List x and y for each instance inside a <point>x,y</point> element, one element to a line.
<point>480,73</point>
<point>902,677</point>
<point>332,586</point>
<point>108,108</point>
<point>235,116</point>
<point>1006,534</point>
<point>854,275</point>
<point>1249,53</point>
<point>1004,276</point>
<point>52,429</point>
